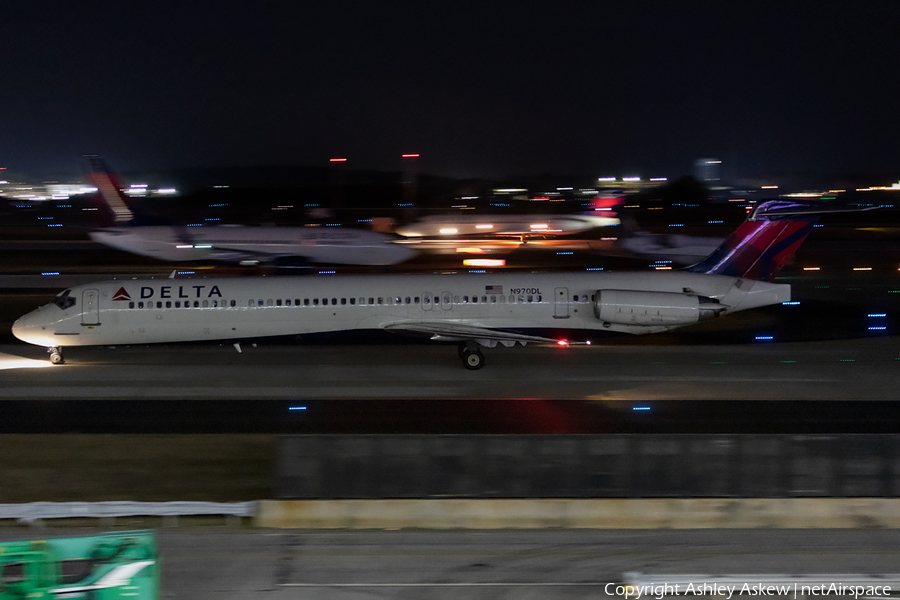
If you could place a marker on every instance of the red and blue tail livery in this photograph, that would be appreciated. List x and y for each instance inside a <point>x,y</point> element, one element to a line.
<point>766,241</point>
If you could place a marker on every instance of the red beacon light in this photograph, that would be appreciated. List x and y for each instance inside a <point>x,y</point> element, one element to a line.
<point>563,343</point>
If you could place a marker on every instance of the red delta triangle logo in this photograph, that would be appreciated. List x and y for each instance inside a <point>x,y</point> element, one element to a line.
<point>121,295</point>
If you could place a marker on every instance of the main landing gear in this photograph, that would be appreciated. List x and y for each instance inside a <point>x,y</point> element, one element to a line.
<point>56,356</point>
<point>471,356</point>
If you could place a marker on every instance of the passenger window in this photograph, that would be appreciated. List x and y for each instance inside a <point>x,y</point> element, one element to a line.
<point>455,299</point>
<point>380,300</point>
<point>397,300</point>
<point>343,301</point>
<point>371,301</point>
<point>493,299</point>
<point>512,299</point>
<point>206,304</point>
<point>539,299</point>
<point>407,300</point>
<point>474,299</point>
<point>352,301</point>
<point>233,303</point>
<point>278,302</point>
<point>415,300</point>
<point>530,298</point>
<point>427,300</point>
<point>315,301</point>
<point>333,301</point>
<point>306,302</point>
<point>465,299</point>
<point>140,305</point>
<point>168,304</point>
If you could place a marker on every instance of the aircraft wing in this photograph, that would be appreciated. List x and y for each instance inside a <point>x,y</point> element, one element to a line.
<point>456,332</point>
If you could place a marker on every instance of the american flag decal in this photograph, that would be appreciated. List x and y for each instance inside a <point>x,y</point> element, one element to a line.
<point>493,289</point>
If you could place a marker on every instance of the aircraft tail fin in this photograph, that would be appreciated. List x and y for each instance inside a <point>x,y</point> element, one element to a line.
<point>107,183</point>
<point>767,240</point>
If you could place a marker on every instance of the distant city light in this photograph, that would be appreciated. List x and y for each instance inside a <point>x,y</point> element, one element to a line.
<point>769,187</point>
<point>606,179</point>
<point>631,179</point>
<point>448,230</point>
<point>485,226</point>
<point>659,179</point>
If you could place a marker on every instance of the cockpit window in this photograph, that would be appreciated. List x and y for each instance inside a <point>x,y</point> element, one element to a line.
<point>64,300</point>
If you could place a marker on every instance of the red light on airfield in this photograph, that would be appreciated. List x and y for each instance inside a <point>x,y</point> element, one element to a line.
<point>337,160</point>
<point>563,343</point>
<point>409,156</point>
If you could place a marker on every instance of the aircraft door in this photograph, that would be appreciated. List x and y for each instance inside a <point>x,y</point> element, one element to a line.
<point>561,303</point>
<point>446,300</point>
<point>426,301</point>
<point>90,307</point>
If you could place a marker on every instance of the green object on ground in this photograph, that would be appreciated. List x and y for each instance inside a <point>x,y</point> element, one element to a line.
<point>97,567</point>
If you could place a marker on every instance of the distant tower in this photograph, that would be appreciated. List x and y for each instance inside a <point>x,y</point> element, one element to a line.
<point>707,169</point>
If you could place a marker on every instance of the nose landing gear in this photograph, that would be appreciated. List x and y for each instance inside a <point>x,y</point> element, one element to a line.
<point>56,356</point>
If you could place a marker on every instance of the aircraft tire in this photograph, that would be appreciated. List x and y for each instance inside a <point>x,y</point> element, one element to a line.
<point>473,360</point>
<point>56,358</point>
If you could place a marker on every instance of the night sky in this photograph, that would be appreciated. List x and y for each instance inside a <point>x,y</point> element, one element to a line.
<point>485,88</point>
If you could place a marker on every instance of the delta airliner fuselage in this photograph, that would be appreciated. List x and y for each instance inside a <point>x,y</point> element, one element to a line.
<point>485,308</point>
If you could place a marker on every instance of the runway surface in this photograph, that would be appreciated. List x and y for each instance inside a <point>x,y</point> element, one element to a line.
<point>222,563</point>
<point>857,369</point>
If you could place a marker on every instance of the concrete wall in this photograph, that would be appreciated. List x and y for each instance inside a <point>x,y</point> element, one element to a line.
<point>671,513</point>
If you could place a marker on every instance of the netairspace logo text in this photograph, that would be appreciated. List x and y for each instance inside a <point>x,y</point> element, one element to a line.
<point>659,591</point>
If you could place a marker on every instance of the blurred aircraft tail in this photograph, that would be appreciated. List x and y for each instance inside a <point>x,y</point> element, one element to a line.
<point>110,188</point>
<point>767,240</point>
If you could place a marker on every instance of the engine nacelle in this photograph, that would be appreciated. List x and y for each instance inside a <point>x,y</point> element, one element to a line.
<point>629,307</point>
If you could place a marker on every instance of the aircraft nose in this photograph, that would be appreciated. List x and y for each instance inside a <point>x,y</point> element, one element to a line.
<point>25,329</point>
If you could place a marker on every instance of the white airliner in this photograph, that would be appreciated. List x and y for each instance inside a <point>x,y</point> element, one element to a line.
<point>471,309</point>
<point>235,244</point>
<point>517,225</point>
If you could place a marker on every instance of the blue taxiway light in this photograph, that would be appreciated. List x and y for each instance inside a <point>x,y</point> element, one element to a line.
<point>640,408</point>
<point>296,408</point>
<point>764,337</point>
<point>873,315</point>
